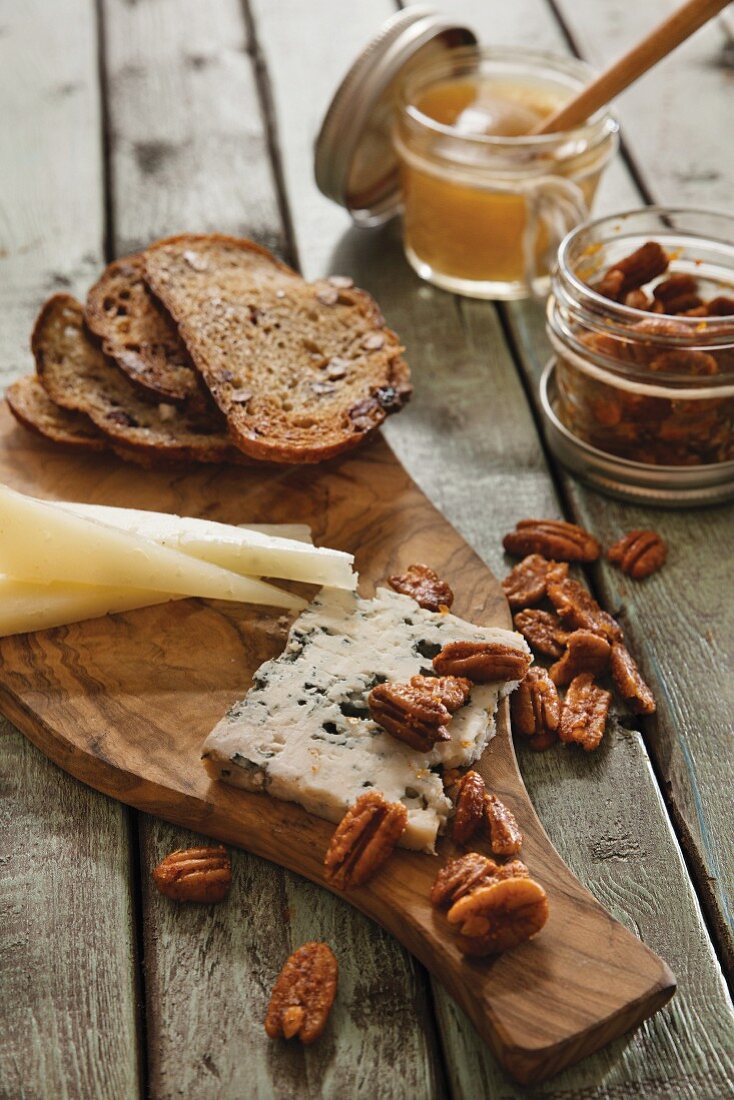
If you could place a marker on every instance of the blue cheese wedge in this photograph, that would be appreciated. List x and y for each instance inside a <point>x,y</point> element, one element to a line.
<point>303,733</point>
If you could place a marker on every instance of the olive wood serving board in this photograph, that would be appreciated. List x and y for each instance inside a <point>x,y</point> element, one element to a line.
<point>124,703</point>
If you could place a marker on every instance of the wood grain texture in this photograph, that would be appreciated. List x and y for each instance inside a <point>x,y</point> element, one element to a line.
<point>124,703</point>
<point>691,739</point>
<point>469,439</point>
<point>188,150</point>
<point>67,993</point>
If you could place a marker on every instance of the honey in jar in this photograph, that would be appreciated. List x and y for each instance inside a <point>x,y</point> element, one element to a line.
<point>486,203</point>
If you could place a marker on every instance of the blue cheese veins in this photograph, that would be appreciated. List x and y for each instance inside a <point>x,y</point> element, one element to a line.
<point>303,733</point>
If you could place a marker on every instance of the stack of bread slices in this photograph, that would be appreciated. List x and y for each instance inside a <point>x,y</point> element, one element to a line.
<point>206,348</point>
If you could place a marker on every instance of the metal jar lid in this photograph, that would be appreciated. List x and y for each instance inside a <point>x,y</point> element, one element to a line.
<point>355,163</point>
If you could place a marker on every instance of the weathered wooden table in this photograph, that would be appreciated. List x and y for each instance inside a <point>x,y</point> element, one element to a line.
<point>126,120</point>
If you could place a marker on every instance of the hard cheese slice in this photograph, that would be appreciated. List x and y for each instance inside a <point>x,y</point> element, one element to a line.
<point>25,606</point>
<point>303,732</point>
<point>41,542</point>
<point>248,550</point>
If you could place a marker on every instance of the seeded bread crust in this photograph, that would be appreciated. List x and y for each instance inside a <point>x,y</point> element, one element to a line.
<point>33,408</point>
<point>302,371</point>
<point>77,375</point>
<point>140,336</point>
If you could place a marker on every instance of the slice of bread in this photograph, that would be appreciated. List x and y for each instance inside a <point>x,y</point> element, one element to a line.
<point>33,408</point>
<point>77,375</point>
<point>139,335</point>
<point>301,371</point>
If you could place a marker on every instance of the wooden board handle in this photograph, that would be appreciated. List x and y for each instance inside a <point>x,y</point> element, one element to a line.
<point>653,48</point>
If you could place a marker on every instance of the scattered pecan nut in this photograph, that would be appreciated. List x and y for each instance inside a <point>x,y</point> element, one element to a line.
<point>452,691</point>
<point>469,815</point>
<point>423,585</point>
<point>482,662</point>
<point>364,840</point>
<point>628,681</point>
<point>525,584</point>
<point>584,713</point>
<point>543,630</point>
<point>460,876</point>
<point>500,916</point>
<point>553,538</point>
<point>303,994</point>
<point>585,652</point>
<point>202,875</point>
<point>577,608</point>
<point>410,714</point>
<point>646,263</point>
<point>505,838</point>
<point>639,553</point>
<point>535,706</point>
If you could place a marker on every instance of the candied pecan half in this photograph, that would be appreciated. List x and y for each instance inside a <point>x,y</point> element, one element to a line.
<point>646,263</point>
<point>452,691</point>
<point>553,538</point>
<point>639,553</point>
<point>410,714</point>
<point>461,876</point>
<point>364,840</point>
<point>584,714</point>
<point>535,706</point>
<point>482,662</point>
<point>720,306</point>
<point>303,994</point>
<point>469,814</point>
<point>675,286</point>
<point>629,682</point>
<point>422,584</point>
<point>585,652</point>
<point>497,917</point>
<point>578,608</point>
<point>684,361</point>
<point>505,838</point>
<point>543,630</point>
<point>202,875</point>
<point>525,584</point>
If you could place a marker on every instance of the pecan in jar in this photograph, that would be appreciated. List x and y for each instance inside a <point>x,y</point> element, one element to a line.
<point>452,691</point>
<point>410,714</point>
<point>584,713</point>
<point>469,815</point>
<point>505,838</point>
<point>499,916</point>
<point>535,706</point>
<point>553,538</point>
<point>646,263</point>
<point>585,652</point>
<point>303,994</point>
<point>202,875</point>
<point>525,584</point>
<point>543,630</point>
<point>460,876</point>
<point>364,840</point>
<point>628,681</point>
<point>482,662</point>
<point>423,585</point>
<point>577,608</point>
<point>639,553</point>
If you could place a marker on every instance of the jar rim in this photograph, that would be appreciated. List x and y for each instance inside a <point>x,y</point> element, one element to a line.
<point>601,125</point>
<point>619,316</point>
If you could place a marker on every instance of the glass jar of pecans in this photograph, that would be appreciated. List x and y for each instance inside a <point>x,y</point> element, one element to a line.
<point>640,397</point>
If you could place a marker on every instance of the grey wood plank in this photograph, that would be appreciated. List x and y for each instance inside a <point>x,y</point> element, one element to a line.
<point>691,738</point>
<point>67,949</point>
<point>180,76</point>
<point>469,439</point>
<point>676,116</point>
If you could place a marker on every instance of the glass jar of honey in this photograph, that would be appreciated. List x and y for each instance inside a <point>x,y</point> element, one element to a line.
<point>639,399</point>
<point>427,123</point>
<point>486,203</point>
